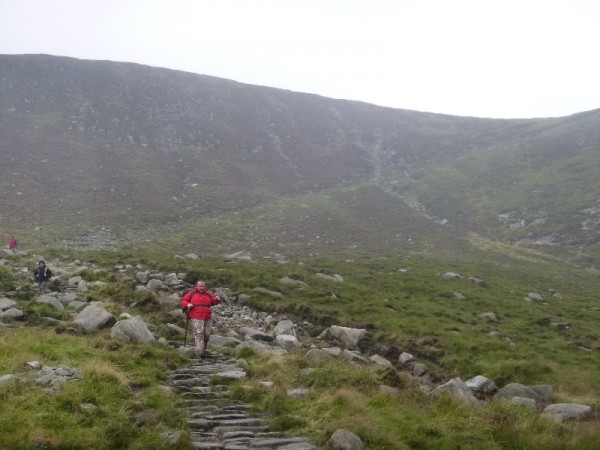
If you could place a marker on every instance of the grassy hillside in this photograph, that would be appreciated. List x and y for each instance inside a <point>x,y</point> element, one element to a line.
<point>529,190</point>
<point>402,300</point>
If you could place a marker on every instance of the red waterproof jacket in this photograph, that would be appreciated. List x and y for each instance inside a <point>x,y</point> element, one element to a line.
<point>201,301</point>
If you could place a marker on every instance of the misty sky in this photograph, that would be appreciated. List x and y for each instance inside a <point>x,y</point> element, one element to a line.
<point>484,58</point>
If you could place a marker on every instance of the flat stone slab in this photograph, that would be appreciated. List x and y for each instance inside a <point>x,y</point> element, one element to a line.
<point>232,374</point>
<point>562,412</point>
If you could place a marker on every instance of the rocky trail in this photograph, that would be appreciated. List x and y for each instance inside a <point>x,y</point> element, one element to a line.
<point>216,421</point>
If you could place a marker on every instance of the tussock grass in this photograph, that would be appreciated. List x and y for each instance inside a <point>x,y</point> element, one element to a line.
<point>124,385</point>
<point>345,396</point>
<point>413,310</point>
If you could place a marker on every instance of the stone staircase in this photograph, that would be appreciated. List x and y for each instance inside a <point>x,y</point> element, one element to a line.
<point>216,421</point>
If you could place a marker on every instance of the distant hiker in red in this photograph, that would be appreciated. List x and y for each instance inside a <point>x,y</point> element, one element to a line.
<point>197,303</point>
<point>13,244</point>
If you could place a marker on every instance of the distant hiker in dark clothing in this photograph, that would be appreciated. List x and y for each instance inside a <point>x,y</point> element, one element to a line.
<point>197,303</point>
<point>13,244</point>
<point>42,275</point>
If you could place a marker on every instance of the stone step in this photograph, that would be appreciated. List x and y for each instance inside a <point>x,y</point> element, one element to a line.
<point>220,409</point>
<point>276,442</point>
<point>207,369</point>
<point>270,434</point>
<point>237,407</point>
<point>210,445</point>
<point>205,389</point>
<point>186,383</point>
<point>226,429</point>
<point>192,376</point>
<point>217,422</point>
<point>201,424</point>
<point>200,367</point>
<point>203,366</point>
<point>217,426</point>
<point>235,446</point>
<point>248,443</point>
<point>200,436</point>
<point>205,410</point>
<point>192,403</point>
<point>231,416</point>
<point>247,422</point>
<point>238,435</point>
<point>203,395</point>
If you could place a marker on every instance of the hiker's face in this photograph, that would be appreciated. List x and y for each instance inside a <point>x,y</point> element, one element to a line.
<point>200,285</point>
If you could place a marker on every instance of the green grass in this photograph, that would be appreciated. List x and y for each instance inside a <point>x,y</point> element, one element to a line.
<point>411,311</point>
<point>519,178</point>
<point>131,409</point>
<point>345,396</point>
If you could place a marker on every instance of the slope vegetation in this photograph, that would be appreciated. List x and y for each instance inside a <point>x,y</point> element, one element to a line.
<point>137,152</point>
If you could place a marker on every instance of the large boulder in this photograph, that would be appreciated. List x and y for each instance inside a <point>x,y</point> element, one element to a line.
<point>50,300</point>
<point>481,385</point>
<point>287,342</point>
<point>345,440</point>
<point>66,298</point>
<point>348,336</point>
<point>155,284</point>
<point>285,326</point>
<point>518,390</point>
<point>223,341</point>
<point>562,412</point>
<point>93,317</point>
<point>143,277</point>
<point>254,334</point>
<point>12,313</point>
<point>336,278</point>
<point>457,389</point>
<point>292,282</point>
<point>262,348</point>
<point>6,303</point>
<point>381,361</point>
<point>316,354</point>
<point>132,330</point>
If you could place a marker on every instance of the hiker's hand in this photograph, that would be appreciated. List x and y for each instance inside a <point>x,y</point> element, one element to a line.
<point>189,305</point>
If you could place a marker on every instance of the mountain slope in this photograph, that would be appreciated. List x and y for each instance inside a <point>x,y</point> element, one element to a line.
<point>537,187</point>
<point>92,145</point>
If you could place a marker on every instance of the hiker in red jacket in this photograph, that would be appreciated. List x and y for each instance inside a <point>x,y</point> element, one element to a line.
<point>197,303</point>
<point>13,244</point>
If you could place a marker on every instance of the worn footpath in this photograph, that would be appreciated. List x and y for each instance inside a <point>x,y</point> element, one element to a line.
<point>218,422</point>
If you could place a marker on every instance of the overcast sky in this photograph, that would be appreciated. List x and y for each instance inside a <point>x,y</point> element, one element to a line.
<point>484,58</point>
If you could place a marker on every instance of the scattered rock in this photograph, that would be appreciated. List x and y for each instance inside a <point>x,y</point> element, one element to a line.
<point>562,412</point>
<point>345,440</point>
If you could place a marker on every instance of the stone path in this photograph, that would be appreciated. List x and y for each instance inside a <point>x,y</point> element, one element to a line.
<point>216,421</point>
